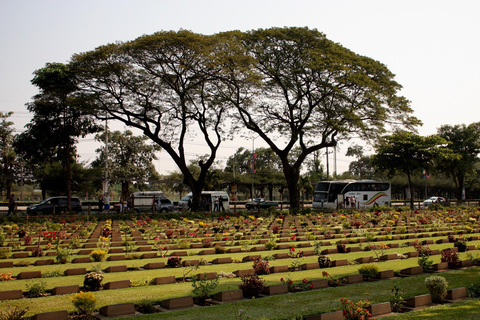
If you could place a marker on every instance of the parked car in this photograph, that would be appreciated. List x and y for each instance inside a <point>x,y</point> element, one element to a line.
<point>164,205</point>
<point>259,204</point>
<point>59,203</point>
<point>431,200</point>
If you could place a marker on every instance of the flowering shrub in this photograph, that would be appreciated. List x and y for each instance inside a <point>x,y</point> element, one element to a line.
<point>174,262</point>
<point>84,302</point>
<point>379,249</point>
<point>450,257</point>
<point>261,267</point>
<point>6,276</point>
<point>303,286</point>
<point>331,282</point>
<point>207,242</point>
<point>98,255</point>
<point>324,261</point>
<point>93,281</point>
<point>423,250</point>
<point>251,285</point>
<point>355,311</point>
<point>295,254</point>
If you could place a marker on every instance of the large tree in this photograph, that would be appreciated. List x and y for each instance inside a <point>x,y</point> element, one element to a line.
<point>313,92</point>
<point>410,154</point>
<point>465,143</point>
<point>130,158</point>
<point>57,121</point>
<point>8,156</point>
<point>167,85</point>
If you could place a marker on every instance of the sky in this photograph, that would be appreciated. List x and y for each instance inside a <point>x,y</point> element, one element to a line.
<point>433,47</point>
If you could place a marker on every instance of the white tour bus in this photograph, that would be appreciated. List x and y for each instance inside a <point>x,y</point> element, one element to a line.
<point>349,193</point>
<point>209,197</point>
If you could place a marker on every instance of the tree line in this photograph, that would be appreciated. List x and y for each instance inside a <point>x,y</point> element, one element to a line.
<point>292,87</point>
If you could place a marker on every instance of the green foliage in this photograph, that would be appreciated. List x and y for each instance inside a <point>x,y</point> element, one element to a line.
<point>145,306</point>
<point>37,289</point>
<point>5,252</point>
<point>425,262</point>
<point>271,244</point>
<point>62,255</point>
<point>140,282</point>
<point>84,302</point>
<point>437,286</point>
<point>473,291</point>
<point>52,274</point>
<point>368,271</point>
<point>13,313</point>
<point>396,301</point>
<point>202,288</point>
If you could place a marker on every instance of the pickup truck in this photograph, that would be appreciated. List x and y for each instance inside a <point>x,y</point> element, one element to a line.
<point>260,203</point>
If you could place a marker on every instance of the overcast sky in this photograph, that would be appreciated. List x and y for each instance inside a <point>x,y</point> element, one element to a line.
<point>432,46</point>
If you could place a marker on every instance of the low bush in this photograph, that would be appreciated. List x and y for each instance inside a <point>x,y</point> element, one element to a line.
<point>261,267</point>
<point>368,271</point>
<point>324,261</point>
<point>98,255</point>
<point>93,281</point>
<point>251,285</point>
<point>37,289</point>
<point>145,306</point>
<point>84,302</point>
<point>450,257</point>
<point>174,262</point>
<point>202,288</point>
<point>13,313</point>
<point>437,286</point>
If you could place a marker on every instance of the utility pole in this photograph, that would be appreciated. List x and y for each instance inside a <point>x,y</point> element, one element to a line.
<point>105,182</point>
<point>326,154</point>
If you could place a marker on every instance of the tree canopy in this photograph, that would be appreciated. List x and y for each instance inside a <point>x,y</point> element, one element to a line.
<point>167,85</point>
<point>465,143</point>
<point>57,122</point>
<point>130,158</point>
<point>410,154</point>
<point>312,93</point>
<point>297,90</point>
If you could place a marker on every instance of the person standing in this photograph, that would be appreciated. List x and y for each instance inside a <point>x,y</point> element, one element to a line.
<point>11,205</point>
<point>215,204</point>
<point>106,199</point>
<point>100,203</point>
<point>220,204</point>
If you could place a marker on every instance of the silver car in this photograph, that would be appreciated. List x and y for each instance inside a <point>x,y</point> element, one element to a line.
<point>431,200</point>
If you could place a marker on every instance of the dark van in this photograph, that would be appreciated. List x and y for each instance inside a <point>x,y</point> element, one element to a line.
<point>59,203</point>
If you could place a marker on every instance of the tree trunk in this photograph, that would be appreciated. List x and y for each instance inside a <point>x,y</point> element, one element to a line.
<point>292,176</point>
<point>125,187</point>
<point>68,176</point>
<point>410,186</point>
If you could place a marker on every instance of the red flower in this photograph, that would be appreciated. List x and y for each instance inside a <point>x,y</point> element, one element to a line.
<point>304,280</point>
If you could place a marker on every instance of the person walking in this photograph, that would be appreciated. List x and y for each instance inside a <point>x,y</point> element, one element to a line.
<point>11,205</point>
